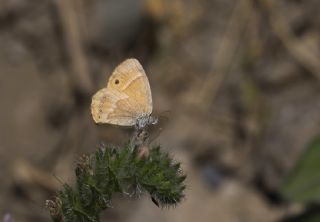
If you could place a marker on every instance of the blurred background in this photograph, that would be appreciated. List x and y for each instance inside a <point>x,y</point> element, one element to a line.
<point>237,82</point>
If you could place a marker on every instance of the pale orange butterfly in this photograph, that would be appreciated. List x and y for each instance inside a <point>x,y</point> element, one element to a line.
<point>127,100</point>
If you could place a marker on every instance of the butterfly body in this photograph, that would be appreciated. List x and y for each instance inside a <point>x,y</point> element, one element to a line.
<point>144,121</point>
<point>126,101</point>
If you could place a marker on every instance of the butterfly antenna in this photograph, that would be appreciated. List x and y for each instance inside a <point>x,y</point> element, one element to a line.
<point>165,113</point>
<point>156,135</point>
<point>164,116</point>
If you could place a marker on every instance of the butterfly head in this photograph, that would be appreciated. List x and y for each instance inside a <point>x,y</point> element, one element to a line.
<point>146,120</point>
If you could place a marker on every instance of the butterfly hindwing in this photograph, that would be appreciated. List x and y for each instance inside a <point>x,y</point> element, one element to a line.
<point>104,109</point>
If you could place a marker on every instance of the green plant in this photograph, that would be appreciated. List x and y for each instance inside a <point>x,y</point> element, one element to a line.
<point>131,169</point>
<point>302,185</point>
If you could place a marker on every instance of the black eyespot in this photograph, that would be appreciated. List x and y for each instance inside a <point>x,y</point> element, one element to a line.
<point>117,81</point>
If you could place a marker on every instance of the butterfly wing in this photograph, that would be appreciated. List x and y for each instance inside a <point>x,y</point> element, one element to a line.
<point>126,98</point>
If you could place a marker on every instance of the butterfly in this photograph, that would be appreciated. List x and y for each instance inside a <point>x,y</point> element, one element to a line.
<point>127,100</point>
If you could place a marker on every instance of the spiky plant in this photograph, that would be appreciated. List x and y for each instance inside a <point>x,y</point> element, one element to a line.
<point>131,169</point>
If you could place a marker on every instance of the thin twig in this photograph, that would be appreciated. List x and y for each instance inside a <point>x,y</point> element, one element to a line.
<point>225,54</point>
<point>297,48</point>
<point>27,174</point>
<point>73,41</point>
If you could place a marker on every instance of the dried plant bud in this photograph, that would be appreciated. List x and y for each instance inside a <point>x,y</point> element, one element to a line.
<point>84,161</point>
<point>54,207</point>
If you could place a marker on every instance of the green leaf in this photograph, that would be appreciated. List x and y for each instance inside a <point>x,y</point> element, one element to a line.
<point>303,183</point>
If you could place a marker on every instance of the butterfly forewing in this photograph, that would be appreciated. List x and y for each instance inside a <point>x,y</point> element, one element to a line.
<point>126,98</point>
